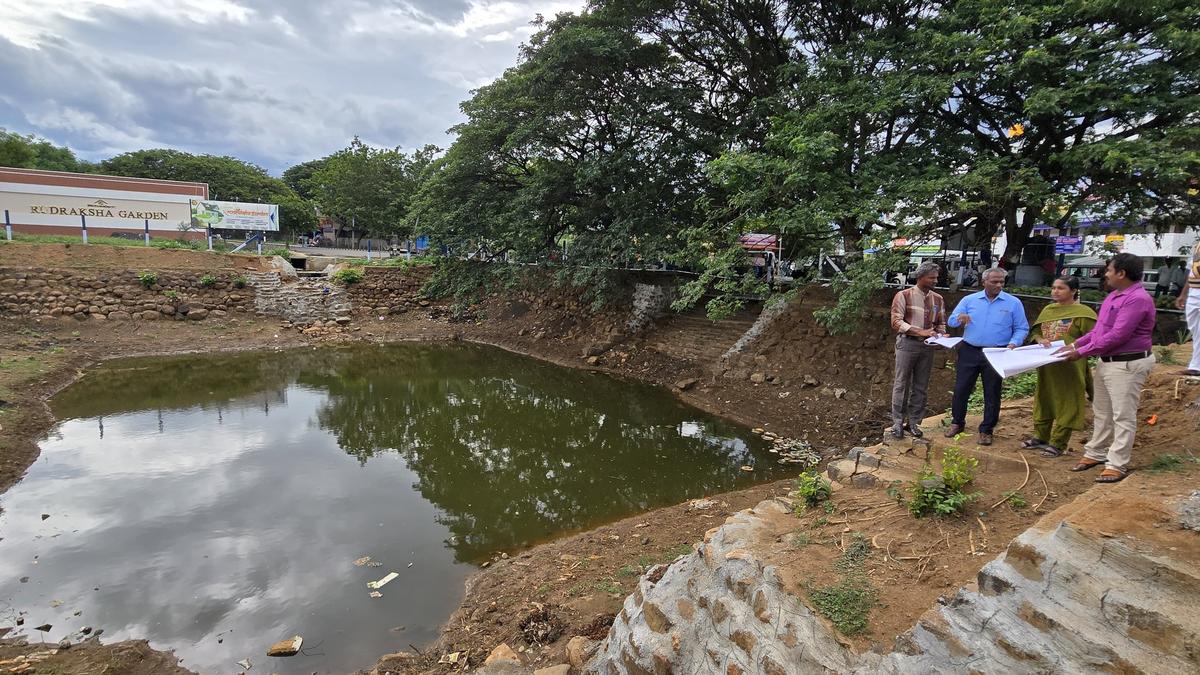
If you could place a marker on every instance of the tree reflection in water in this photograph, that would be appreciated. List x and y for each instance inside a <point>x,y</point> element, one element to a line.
<point>510,450</point>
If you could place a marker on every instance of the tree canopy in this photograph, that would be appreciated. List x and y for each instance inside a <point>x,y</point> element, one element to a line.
<point>31,152</point>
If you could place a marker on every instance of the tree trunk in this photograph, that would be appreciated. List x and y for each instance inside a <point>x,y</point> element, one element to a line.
<point>1017,231</point>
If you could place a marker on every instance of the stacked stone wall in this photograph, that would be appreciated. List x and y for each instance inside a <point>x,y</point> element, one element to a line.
<point>120,295</point>
<point>388,290</point>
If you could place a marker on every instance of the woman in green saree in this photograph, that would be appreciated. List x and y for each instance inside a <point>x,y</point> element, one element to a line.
<point>1058,400</point>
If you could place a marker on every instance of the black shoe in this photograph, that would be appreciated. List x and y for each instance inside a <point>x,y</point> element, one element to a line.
<point>916,431</point>
<point>897,433</point>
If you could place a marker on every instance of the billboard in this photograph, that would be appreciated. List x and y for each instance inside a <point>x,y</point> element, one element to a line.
<point>1064,244</point>
<point>235,216</point>
<point>58,206</point>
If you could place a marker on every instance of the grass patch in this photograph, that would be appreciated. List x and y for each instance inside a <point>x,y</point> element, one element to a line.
<point>607,586</point>
<point>664,556</point>
<point>848,603</point>
<point>1015,499</point>
<point>1167,357</point>
<point>1172,462</point>
<point>799,540</point>
<point>629,571</point>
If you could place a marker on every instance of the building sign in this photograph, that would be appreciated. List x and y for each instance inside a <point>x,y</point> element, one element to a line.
<point>234,216</point>
<point>1114,241</point>
<point>65,206</point>
<point>1065,245</point>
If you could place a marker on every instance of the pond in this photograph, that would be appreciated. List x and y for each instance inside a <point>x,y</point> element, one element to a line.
<point>216,504</point>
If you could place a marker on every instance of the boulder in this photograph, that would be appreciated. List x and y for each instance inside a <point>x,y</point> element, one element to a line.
<point>687,383</point>
<point>502,653</point>
<point>197,314</point>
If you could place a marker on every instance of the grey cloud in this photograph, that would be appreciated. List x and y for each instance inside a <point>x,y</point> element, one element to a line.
<point>293,82</point>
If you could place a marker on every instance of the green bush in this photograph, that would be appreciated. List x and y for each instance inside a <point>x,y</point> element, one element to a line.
<point>811,489</point>
<point>171,295</point>
<point>349,275</point>
<point>943,494</point>
<point>147,278</point>
<point>240,281</point>
<point>208,281</point>
<point>282,252</point>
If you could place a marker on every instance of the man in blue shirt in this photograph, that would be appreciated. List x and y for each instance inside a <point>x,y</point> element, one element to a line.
<point>992,318</point>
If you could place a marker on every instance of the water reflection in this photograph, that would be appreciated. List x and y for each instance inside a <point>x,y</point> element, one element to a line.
<point>223,498</point>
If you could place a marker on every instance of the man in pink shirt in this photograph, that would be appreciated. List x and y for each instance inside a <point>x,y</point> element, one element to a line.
<point>1121,340</point>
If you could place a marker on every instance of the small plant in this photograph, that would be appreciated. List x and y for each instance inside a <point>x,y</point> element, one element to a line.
<point>147,278</point>
<point>1015,499</point>
<point>943,494</point>
<point>349,275</point>
<point>1183,336</point>
<point>1166,356</point>
<point>629,571</point>
<point>240,281</point>
<point>281,252</point>
<point>1018,386</point>
<point>171,295</point>
<point>208,281</point>
<point>811,489</point>
<point>799,540</point>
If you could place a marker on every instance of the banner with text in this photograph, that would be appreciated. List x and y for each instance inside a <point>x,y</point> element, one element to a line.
<point>235,216</point>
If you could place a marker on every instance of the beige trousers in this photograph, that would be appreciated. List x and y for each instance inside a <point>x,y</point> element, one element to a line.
<point>1118,387</point>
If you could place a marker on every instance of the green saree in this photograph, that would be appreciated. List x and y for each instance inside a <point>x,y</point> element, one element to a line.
<point>1058,399</point>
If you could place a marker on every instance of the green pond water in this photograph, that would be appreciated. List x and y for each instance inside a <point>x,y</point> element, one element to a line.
<point>215,504</point>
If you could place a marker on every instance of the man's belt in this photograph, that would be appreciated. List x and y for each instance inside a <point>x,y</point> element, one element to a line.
<point>1131,356</point>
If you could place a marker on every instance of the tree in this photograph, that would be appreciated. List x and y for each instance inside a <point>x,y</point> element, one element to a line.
<point>370,187</point>
<point>228,179</point>
<point>299,177</point>
<point>31,152</point>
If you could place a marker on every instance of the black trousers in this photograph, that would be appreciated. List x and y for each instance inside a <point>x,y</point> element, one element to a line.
<point>972,364</point>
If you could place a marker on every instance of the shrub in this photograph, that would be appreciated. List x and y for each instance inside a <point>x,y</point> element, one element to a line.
<point>171,295</point>
<point>208,281</point>
<point>279,251</point>
<point>147,278</point>
<point>943,494</point>
<point>811,489</point>
<point>349,275</point>
<point>240,281</point>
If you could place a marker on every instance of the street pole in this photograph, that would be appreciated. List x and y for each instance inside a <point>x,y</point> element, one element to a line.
<point>147,231</point>
<point>208,234</point>
<point>83,224</point>
<point>7,226</point>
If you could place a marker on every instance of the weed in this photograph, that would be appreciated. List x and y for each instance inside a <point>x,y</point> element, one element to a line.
<point>799,540</point>
<point>576,590</point>
<point>821,522</point>
<point>543,589</point>
<point>1171,462</point>
<point>811,489</point>
<point>208,281</point>
<point>848,603</point>
<point>607,586</point>
<point>1015,499</point>
<point>830,508</point>
<point>1166,356</point>
<point>147,278</point>
<point>1183,336</point>
<point>279,251</point>
<point>349,275</point>
<point>629,571</point>
<point>894,490</point>
<point>943,494</point>
<point>171,295</point>
<point>240,281</point>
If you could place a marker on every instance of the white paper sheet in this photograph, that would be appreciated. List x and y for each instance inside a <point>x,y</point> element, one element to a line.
<point>944,341</point>
<point>1009,362</point>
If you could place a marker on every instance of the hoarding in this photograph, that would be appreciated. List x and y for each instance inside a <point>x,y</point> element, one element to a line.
<point>1067,245</point>
<point>235,215</point>
<point>61,206</point>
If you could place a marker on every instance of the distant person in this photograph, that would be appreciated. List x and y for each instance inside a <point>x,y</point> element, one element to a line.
<point>917,313</point>
<point>1121,340</point>
<point>1189,302</point>
<point>1059,398</point>
<point>1179,277</point>
<point>760,264</point>
<point>991,318</point>
<point>1162,283</point>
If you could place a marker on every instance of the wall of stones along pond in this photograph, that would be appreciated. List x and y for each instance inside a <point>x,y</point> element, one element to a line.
<point>120,295</point>
<point>388,290</point>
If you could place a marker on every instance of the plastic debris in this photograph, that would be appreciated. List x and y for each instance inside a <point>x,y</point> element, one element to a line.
<point>747,468</point>
<point>288,647</point>
<point>366,561</point>
<point>384,581</point>
<point>375,594</point>
<point>245,664</point>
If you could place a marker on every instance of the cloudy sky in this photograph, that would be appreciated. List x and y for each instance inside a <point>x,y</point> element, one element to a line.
<point>271,81</point>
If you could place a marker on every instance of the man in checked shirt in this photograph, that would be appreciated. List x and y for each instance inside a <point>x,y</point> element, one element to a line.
<point>917,313</point>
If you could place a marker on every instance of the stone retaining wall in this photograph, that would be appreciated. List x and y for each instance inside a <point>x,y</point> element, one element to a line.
<point>108,294</point>
<point>388,290</point>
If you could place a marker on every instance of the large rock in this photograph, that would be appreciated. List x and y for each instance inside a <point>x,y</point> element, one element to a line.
<point>502,653</point>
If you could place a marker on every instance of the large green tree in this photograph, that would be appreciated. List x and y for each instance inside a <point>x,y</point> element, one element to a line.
<point>228,179</point>
<point>371,188</point>
<point>32,152</point>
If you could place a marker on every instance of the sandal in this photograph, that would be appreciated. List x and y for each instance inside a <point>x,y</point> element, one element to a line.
<point>1085,464</point>
<point>1051,452</point>
<point>1110,475</point>
<point>1030,443</point>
